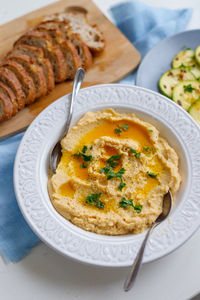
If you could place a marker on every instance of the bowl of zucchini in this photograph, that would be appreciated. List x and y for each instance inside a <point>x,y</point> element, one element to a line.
<point>172,68</point>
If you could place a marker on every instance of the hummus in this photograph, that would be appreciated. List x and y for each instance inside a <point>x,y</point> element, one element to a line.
<point>113,174</point>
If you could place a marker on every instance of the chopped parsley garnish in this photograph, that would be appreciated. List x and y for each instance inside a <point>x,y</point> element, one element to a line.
<point>182,66</point>
<point>147,149</point>
<point>125,127</point>
<point>126,203</point>
<point>118,131</point>
<point>120,128</point>
<point>129,203</point>
<point>87,157</point>
<point>151,174</point>
<point>111,162</point>
<point>188,88</point>
<point>94,199</point>
<point>105,170</point>
<point>91,147</point>
<point>137,154</point>
<point>122,185</point>
<point>138,208</point>
<point>82,154</point>
<point>150,130</point>
<point>111,175</point>
<point>84,149</point>
<point>108,170</point>
<point>120,173</point>
<point>83,165</point>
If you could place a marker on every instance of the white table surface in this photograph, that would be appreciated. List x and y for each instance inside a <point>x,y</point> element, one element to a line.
<point>44,274</point>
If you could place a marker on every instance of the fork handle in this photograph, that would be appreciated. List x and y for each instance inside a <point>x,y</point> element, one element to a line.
<point>136,264</point>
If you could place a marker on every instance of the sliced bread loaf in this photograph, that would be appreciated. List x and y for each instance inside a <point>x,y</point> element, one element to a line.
<point>52,52</point>
<point>24,78</point>
<point>10,79</point>
<point>73,60</point>
<point>38,54</point>
<point>82,49</point>
<point>8,92</point>
<point>45,55</point>
<point>78,22</point>
<point>34,70</point>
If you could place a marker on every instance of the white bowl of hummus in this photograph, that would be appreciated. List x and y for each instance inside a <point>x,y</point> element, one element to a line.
<point>127,147</point>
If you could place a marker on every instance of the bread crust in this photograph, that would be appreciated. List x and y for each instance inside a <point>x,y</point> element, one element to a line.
<point>11,95</point>
<point>66,46</point>
<point>47,54</point>
<point>97,44</point>
<point>34,70</point>
<point>24,78</point>
<point>55,33</point>
<point>77,41</point>
<point>71,56</point>
<point>9,78</point>
<point>43,62</point>
<point>52,52</point>
<point>7,106</point>
<point>85,55</point>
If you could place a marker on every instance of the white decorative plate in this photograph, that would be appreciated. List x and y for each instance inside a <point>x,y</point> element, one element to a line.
<point>31,174</point>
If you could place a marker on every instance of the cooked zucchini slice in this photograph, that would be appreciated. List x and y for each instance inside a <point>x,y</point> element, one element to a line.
<point>194,111</point>
<point>185,58</point>
<point>197,54</point>
<point>186,92</point>
<point>195,71</point>
<point>171,78</point>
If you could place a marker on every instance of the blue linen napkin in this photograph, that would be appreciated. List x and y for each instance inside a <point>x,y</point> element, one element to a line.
<point>144,26</point>
<point>16,237</point>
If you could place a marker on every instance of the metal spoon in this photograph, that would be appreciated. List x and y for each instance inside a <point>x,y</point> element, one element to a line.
<point>56,153</point>
<point>167,203</point>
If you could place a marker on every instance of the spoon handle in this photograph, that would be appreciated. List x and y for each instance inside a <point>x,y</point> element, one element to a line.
<point>78,79</point>
<point>136,264</point>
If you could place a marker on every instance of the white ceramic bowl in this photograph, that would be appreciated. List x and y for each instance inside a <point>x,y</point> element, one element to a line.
<point>31,175</point>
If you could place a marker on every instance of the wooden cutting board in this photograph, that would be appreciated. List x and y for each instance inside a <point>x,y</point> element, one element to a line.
<point>117,60</point>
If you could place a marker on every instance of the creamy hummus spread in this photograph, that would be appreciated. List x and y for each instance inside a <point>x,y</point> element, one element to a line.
<point>113,174</point>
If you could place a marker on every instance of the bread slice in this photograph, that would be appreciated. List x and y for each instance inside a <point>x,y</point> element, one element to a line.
<point>38,54</point>
<point>6,107</point>
<point>24,78</point>
<point>10,79</point>
<point>90,34</point>
<point>34,70</point>
<point>82,49</point>
<point>52,52</point>
<point>55,32</point>
<point>73,61</point>
<point>9,93</point>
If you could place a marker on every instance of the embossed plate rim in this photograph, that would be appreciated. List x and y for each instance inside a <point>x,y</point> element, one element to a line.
<point>111,251</point>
